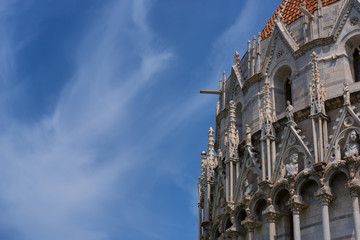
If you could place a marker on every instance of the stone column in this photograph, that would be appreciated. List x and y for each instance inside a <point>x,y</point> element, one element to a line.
<point>315,140</point>
<point>324,197</point>
<point>296,204</point>
<point>271,215</point>
<point>263,163</point>
<point>269,161</point>
<point>321,142</point>
<point>227,182</point>
<point>354,188</point>
<point>231,181</point>
<point>250,224</point>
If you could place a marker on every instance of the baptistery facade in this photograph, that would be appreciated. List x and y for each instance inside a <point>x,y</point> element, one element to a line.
<point>283,161</point>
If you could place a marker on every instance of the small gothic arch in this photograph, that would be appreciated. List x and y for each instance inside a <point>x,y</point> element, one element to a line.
<point>308,189</point>
<point>286,220</point>
<point>258,207</point>
<point>334,168</point>
<point>227,223</point>
<point>279,185</point>
<point>282,88</point>
<point>241,216</point>
<point>303,178</point>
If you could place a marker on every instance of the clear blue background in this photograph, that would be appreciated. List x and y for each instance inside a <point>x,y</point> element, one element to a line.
<point>101,120</point>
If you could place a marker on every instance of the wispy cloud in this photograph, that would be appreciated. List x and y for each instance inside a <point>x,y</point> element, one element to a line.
<point>56,178</point>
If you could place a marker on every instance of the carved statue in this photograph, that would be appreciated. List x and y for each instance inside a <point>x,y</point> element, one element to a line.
<point>248,135</point>
<point>249,188</point>
<point>289,112</point>
<point>292,168</point>
<point>219,159</point>
<point>352,148</point>
<point>346,94</point>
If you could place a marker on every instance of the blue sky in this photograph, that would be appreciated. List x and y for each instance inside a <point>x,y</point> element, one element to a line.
<point>101,120</point>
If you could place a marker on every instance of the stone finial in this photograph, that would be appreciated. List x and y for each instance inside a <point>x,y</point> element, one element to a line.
<point>346,94</point>
<point>259,44</point>
<point>236,58</point>
<point>254,42</point>
<point>249,45</point>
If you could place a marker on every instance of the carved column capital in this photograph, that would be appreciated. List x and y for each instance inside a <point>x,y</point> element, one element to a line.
<point>295,204</point>
<point>324,196</point>
<point>250,223</point>
<point>354,187</point>
<point>270,214</point>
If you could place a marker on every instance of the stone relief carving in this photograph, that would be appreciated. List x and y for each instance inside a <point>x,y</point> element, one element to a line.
<point>354,21</point>
<point>249,188</point>
<point>292,168</point>
<point>352,148</point>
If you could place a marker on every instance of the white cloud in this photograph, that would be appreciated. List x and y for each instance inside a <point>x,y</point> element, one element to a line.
<point>55,179</point>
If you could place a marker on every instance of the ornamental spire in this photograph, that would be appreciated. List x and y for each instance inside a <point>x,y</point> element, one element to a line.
<point>266,110</point>
<point>211,154</point>
<point>316,88</point>
<point>232,135</point>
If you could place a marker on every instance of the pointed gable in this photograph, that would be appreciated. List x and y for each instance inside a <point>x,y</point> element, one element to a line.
<point>348,121</point>
<point>291,143</point>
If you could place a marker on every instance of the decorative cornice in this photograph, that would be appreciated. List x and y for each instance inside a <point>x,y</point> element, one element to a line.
<point>251,81</point>
<point>313,44</point>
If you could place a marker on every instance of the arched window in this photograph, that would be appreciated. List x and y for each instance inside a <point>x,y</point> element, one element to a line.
<point>356,57</point>
<point>282,88</point>
<point>285,223</point>
<point>241,217</point>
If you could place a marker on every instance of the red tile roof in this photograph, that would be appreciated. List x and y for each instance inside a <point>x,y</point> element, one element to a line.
<point>290,12</point>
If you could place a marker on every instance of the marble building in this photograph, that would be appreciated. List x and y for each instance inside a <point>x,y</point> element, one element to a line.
<point>284,159</point>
